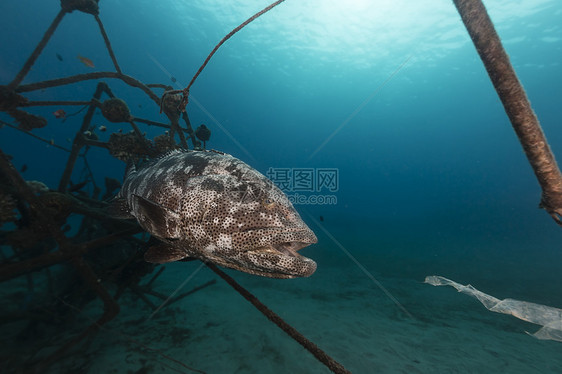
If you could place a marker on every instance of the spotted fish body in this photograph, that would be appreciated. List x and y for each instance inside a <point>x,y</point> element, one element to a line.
<point>214,207</point>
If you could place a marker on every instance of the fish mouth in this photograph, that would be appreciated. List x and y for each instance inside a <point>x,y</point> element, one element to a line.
<point>273,252</point>
<point>284,248</point>
<point>279,260</point>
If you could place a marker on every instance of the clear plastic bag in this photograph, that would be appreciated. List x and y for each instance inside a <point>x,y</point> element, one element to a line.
<point>548,317</point>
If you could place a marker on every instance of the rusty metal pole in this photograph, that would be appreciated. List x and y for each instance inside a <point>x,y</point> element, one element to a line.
<point>35,55</point>
<point>515,103</point>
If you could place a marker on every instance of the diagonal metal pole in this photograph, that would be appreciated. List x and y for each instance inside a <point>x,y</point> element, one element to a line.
<point>108,44</point>
<point>515,103</point>
<point>334,366</point>
<point>35,55</point>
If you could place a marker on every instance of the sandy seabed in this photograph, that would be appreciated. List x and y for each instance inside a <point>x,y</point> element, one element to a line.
<point>339,308</point>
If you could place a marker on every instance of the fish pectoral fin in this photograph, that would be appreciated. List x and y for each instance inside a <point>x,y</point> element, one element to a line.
<point>163,253</point>
<point>157,219</point>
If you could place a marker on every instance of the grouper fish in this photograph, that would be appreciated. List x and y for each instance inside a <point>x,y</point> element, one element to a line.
<point>212,206</point>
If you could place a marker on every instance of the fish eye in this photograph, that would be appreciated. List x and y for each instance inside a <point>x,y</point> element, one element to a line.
<point>268,203</point>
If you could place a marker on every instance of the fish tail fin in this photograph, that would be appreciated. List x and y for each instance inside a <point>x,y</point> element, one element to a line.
<point>119,208</point>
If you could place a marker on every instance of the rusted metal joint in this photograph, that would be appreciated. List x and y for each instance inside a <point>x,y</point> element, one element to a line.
<point>86,6</point>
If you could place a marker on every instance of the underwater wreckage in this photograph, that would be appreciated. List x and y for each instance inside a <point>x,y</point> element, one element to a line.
<point>37,217</point>
<point>105,254</point>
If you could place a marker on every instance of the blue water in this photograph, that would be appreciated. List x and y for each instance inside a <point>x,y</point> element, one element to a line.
<point>390,94</point>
